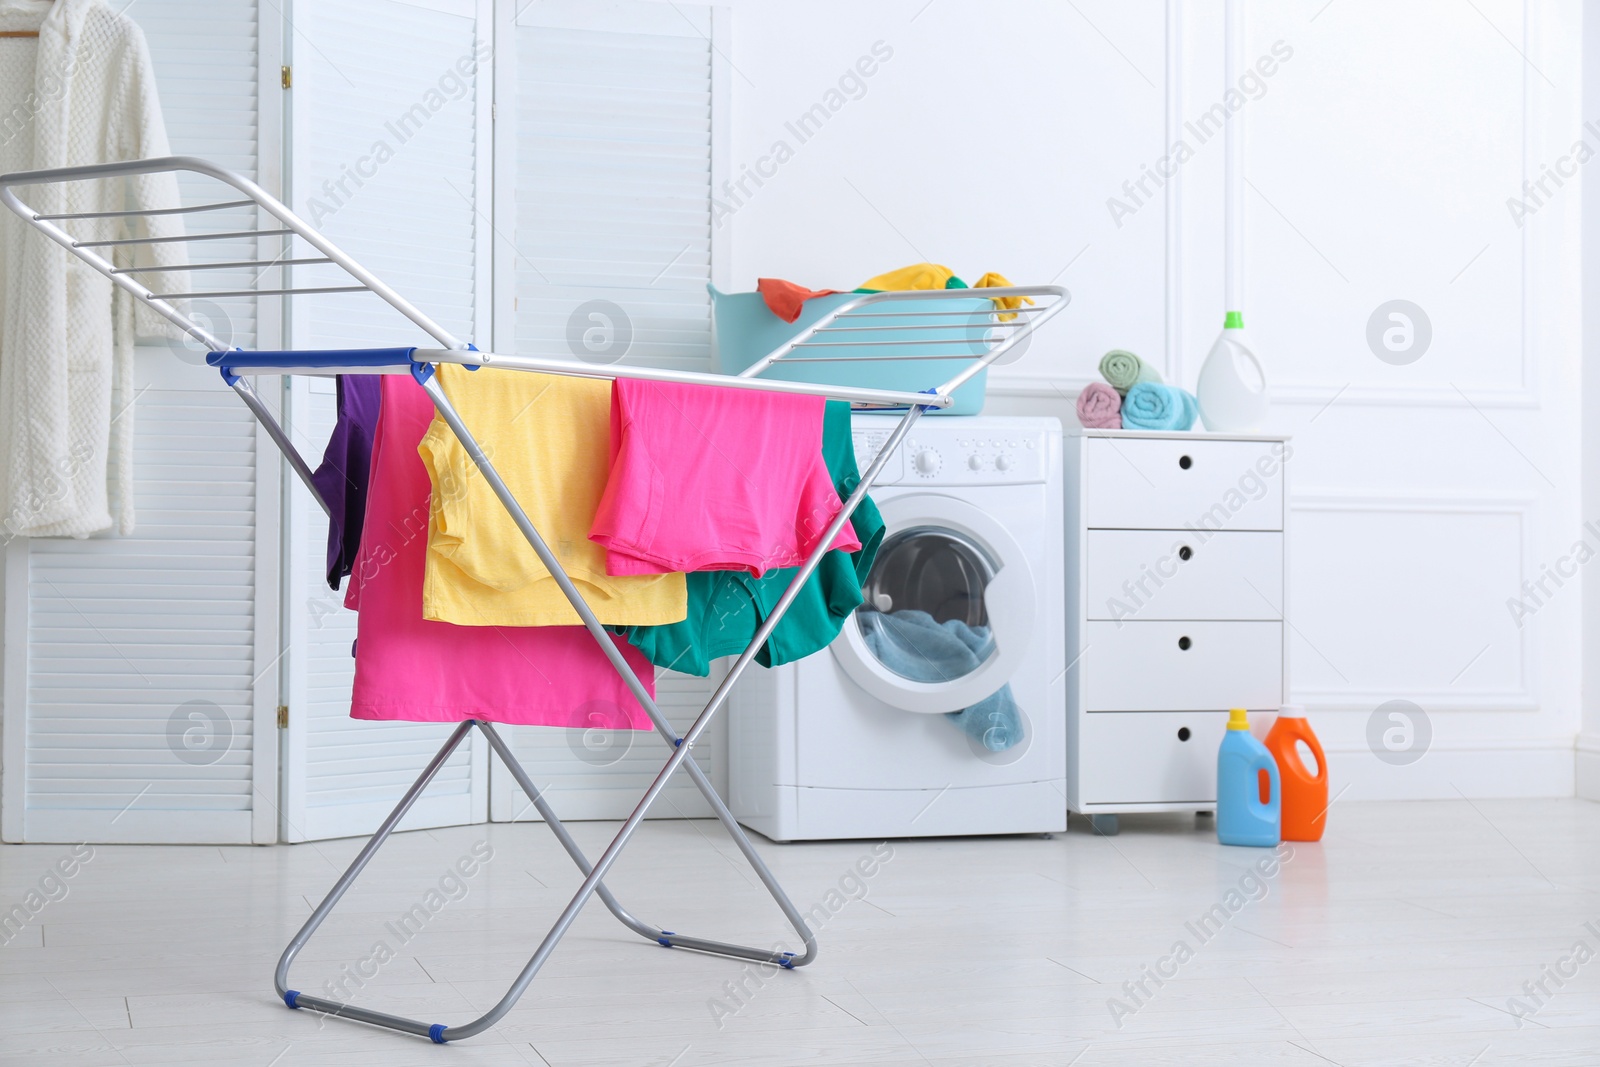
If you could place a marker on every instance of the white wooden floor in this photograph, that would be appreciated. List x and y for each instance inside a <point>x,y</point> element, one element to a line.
<point>1400,939</point>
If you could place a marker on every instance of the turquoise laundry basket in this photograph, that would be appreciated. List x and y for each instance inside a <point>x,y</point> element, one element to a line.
<point>744,330</point>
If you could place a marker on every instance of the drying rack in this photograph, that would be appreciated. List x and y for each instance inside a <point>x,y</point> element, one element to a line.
<point>872,321</point>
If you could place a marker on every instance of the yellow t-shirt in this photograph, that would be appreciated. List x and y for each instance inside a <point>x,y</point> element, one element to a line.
<point>549,437</point>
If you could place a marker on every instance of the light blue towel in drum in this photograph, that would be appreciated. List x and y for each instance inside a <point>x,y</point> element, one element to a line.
<point>1153,406</point>
<point>914,646</point>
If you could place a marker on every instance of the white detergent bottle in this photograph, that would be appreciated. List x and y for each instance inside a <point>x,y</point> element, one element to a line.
<point>1233,388</point>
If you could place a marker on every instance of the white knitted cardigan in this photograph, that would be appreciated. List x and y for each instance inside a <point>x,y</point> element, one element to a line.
<point>66,333</point>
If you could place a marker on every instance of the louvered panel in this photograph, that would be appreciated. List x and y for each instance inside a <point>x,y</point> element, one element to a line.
<point>613,188</point>
<point>205,60</point>
<point>351,761</point>
<point>356,761</point>
<point>413,219</point>
<point>668,330</point>
<point>125,632</point>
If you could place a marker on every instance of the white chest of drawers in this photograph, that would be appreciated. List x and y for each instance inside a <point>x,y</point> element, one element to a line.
<point>1175,610</point>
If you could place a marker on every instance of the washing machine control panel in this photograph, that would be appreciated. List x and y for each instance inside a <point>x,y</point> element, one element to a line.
<point>868,443</point>
<point>954,450</point>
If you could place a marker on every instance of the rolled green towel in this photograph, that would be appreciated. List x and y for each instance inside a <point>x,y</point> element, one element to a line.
<point>1124,370</point>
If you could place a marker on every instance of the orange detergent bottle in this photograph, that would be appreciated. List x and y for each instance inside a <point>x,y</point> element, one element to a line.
<point>1305,791</point>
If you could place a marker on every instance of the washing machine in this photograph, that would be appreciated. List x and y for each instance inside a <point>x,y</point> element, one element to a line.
<point>844,745</point>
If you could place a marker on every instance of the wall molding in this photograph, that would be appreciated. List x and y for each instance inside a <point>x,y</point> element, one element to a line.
<point>1430,700</point>
<point>1066,387</point>
<point>1450,773</point>
<point>1396,396</point>
<point>1483,744</point>
<point>1453,698</point>
<point>1524,394</point>
<point>1172,203</point>
<point>1069,385</point>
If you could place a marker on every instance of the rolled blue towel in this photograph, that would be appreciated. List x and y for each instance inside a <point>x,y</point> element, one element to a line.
<point>1153,406</point>
<point>915,645</point>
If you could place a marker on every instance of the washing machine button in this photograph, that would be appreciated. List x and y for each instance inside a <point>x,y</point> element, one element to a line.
<point>1002,462</point>
<point>927,461</point>
<point>975,462</point>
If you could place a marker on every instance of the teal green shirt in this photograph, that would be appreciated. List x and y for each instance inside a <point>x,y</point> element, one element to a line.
<point>727,607</point>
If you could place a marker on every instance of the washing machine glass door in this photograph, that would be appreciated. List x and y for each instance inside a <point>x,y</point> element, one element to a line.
<point>948,612</point>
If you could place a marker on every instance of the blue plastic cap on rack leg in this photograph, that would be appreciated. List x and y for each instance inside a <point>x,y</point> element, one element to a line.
<point>290,996</point>
<point>436,1033</point>
<point>929,407</point>
<point>662,940</point>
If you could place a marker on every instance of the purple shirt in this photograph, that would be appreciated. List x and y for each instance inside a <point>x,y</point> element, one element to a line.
<point>346,469</point>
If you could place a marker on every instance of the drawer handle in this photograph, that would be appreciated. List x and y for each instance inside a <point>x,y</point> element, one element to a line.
<point>1184,552</point>
<point>1183,733</point>
<point>1184,643</point>
<point>1185,462</point>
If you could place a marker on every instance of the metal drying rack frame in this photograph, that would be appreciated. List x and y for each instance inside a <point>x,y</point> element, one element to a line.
<point>986,337</point>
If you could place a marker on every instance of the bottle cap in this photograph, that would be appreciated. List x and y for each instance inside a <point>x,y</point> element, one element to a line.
<point>1238,719</point>
<point>1291,711</point>
<point>1233,320</point>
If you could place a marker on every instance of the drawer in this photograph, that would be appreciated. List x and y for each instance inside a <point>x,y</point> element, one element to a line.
<point>1171,574</point>
<point>1156,483</point>
<point>1151,757</point>
<point>1182,666</point>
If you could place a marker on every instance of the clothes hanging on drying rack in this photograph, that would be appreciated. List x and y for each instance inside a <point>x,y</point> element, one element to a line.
<point>412,669</point>
<point>549,434</point>
<point>727,607</point>
<point>713,479</point>
<point>346,469</point>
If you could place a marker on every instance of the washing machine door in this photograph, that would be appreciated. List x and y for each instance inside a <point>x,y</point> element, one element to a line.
<point>949,608</point>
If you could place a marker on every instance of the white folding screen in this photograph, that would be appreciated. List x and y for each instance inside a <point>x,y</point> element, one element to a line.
<point>610,163</point>
<point>139,681</point>
<point>142,674</point>
<point>606,148</point>
<point>390,158</point>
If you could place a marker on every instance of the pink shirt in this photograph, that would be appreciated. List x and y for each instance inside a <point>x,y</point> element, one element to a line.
<point>705,478</point>
<point>409,668</point>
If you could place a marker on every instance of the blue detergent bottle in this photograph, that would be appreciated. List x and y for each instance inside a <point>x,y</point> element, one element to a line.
<point>1248,797</point>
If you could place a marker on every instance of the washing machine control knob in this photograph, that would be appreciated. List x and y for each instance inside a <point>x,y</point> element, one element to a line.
<point>927,461</point>
<point>1002,462</point>
<point>975,462</point>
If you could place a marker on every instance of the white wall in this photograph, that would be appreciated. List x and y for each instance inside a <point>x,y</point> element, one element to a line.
<point>1379,159</point>
<point>1588,774</point>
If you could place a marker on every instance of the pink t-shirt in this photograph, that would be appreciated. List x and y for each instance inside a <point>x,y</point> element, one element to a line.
<point>707,478</point>
<point>420,671</point>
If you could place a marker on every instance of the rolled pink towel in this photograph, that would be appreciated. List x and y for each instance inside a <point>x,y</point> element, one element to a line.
<point>1100,407</point>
